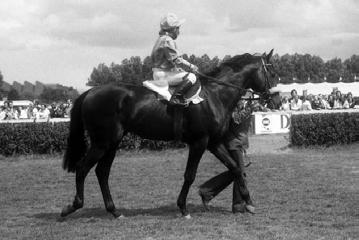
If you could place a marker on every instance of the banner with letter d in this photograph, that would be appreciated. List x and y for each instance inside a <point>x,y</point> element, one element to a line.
<point>271,122</point>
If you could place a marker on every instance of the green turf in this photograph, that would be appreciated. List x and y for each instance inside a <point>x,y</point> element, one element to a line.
<point>299,194</point>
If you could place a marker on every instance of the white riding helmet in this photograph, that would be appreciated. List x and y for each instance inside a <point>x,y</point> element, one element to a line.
<point>171,21</point>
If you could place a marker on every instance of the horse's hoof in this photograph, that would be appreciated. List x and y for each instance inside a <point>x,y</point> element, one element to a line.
<point>251,209</point>
<point>67,210</point>
<point>188,216</point>
<point>205,201</point>
<point>117,214</point>
<point>121,217</point>
<point>205,205</point>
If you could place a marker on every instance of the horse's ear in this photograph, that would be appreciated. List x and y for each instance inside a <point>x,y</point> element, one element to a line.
<point>270,54</point>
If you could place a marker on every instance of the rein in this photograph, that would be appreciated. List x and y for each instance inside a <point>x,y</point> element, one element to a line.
<point>220,82</point>
<point>239,88</point>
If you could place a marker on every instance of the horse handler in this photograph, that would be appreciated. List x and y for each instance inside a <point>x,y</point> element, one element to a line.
<point>236,143</point>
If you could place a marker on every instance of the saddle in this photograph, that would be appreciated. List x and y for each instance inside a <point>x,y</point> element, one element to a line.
<point>165,91</point>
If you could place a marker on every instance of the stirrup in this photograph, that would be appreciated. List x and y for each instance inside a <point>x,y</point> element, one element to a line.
<point>179,104</point>
<point>176,101</point>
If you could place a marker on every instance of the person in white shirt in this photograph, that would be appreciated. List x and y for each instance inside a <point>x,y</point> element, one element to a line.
<point>36,112</point>
<point>338,104</point>
<point>306,105</point>
<point>345,102</point>
<point>23,113</point>
<point>2,113</point>
<point>44,112</point>
<point>350,100</point>
<point>295,102</point>
<point>285,104</point>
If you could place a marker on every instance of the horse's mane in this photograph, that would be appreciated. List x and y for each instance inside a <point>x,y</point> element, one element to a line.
<point>236,63</point>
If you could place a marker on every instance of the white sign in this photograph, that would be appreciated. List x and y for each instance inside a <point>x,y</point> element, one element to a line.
<point>271,122</point>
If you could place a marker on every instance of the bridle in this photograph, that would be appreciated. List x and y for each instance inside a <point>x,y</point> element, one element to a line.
<point>265,94</point>
<point>266,72</point>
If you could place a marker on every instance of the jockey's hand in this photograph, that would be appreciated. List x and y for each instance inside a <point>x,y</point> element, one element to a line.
<point>193,68</point>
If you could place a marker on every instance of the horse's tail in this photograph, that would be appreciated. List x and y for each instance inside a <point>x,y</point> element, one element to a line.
<point>76,142</point>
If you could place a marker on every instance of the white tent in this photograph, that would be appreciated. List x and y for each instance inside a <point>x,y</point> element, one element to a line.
<point>18,103</point>
<point>320,88</point>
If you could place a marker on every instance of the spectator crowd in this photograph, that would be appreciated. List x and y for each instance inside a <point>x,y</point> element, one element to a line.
<point>35,111</point>
<point>294,102</point>
<point>334,100</point>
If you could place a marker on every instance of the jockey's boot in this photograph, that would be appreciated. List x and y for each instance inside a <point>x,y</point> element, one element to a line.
<point>177,96</point>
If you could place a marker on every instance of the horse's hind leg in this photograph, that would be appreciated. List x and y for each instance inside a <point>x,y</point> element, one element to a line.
<point>83,168</point>
<point>196,151</point>
<point>102,172</point>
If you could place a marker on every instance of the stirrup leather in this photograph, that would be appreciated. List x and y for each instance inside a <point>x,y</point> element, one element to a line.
<point>182,88</point>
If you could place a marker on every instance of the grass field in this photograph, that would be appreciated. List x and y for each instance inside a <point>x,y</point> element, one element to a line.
<point>299,194</point>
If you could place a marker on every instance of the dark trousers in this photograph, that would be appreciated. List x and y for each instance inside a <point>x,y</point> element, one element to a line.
<point>217,184</point>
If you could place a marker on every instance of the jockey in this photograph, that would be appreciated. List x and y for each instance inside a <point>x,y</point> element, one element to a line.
<point>167,62</point>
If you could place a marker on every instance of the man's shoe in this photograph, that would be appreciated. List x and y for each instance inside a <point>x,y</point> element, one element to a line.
<point>239,208</point>
<point>242,208</point>
<point>250,208</point>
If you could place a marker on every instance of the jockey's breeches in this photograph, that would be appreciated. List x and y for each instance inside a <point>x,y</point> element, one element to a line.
<point>173,77</point>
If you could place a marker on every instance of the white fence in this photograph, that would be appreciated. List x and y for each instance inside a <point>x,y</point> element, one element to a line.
<point>51,120</point>
<point>279,122</point>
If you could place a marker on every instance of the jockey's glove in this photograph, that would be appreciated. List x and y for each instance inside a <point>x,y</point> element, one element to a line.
<point>193,68</point>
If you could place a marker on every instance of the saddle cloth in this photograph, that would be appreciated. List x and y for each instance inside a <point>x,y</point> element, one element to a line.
<point>165,91</point>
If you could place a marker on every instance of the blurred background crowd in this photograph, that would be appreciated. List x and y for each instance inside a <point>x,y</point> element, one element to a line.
<point>334,100</point>
<point>34,110</point>
<point>294,102</point>
<point>278,102</point>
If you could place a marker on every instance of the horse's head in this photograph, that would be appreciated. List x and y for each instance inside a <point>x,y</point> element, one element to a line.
<point>256,72</point>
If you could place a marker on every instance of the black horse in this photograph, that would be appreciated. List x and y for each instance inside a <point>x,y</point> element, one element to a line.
<point>107,113</point>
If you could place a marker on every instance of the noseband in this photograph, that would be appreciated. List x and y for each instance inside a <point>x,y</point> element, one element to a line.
<point>266,93</point>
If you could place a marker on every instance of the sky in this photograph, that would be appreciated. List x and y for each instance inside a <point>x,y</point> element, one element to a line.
<point>61,41</point>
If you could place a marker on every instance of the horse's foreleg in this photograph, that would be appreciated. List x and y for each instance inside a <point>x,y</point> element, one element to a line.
<point>196,151</point>
<point>102,172</point>
<point>82,169</point>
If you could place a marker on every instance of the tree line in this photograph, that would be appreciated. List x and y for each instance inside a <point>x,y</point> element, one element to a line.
<point>48,95</point>
<point>291,68</point>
